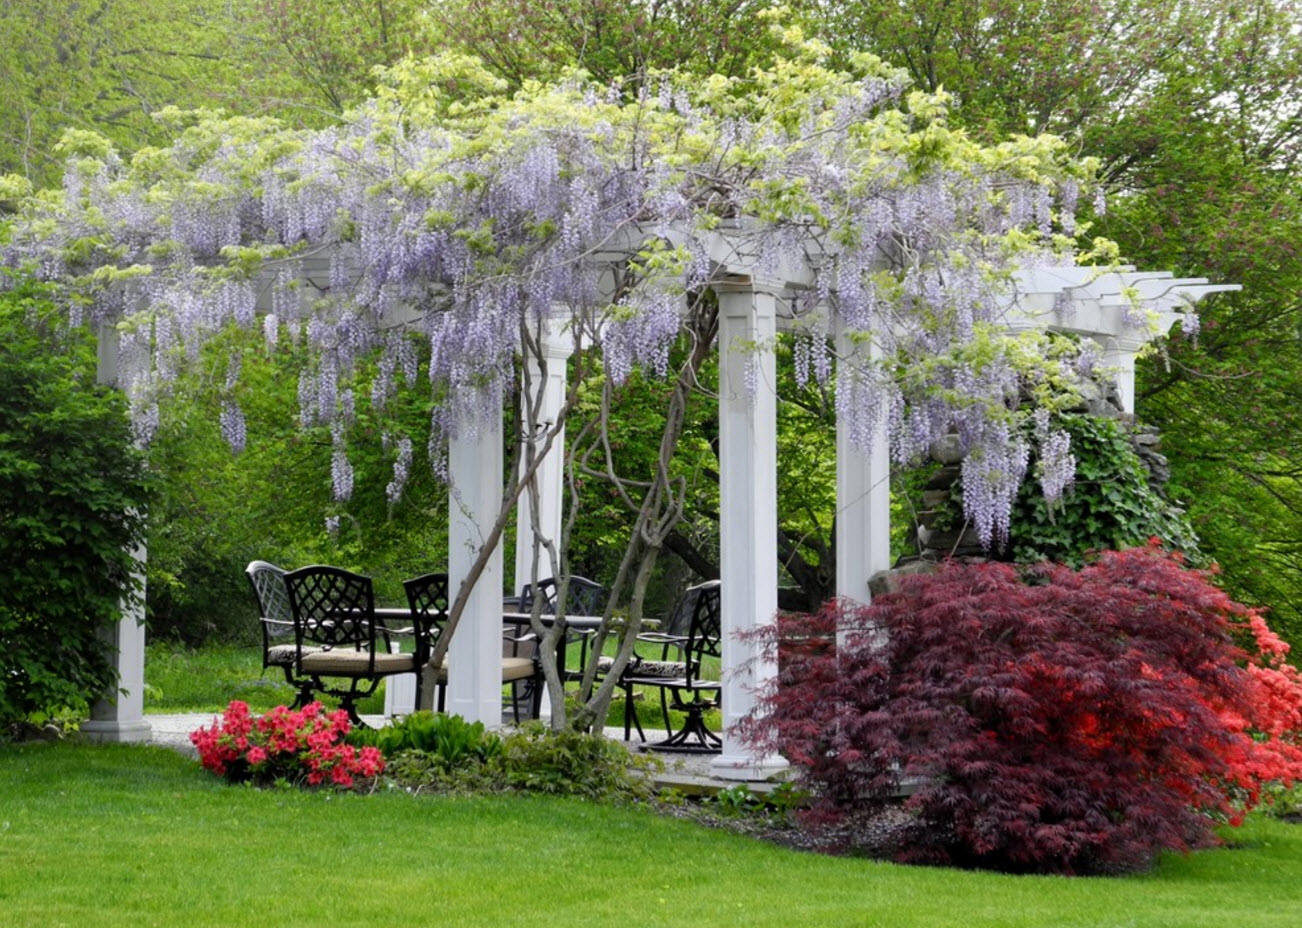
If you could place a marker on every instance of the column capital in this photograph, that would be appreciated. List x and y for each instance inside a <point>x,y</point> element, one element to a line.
<point>748,283</point>
<point>554,339</point>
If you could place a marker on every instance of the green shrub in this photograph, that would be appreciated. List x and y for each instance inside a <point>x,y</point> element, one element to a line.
<point>1110,507</point>
<point>445,752</point>
<point>449,741</point>
<point>567,762</point>
<point>72,494</point>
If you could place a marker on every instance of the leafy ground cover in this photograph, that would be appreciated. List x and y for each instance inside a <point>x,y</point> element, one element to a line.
<point>119,835</point>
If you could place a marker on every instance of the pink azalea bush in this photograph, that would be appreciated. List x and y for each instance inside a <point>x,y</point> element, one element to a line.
<point>304,745</point>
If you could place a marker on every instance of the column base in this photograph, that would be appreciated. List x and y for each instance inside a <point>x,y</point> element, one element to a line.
<point>747,767</point>
<point>110,731</point>
<point>400,694</point>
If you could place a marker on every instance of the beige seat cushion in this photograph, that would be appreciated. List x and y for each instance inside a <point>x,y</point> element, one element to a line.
<point>517,668</point>
<point>640,668</point>
<point>357,663</point>
<point>284,655</point>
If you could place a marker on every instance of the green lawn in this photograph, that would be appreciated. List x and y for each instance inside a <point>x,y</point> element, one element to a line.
<point>120,835</point>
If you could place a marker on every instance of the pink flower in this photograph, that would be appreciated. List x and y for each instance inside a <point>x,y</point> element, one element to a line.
<point>307,744</point>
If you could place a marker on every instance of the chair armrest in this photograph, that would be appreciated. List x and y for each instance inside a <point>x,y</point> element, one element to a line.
<point>663,638</point>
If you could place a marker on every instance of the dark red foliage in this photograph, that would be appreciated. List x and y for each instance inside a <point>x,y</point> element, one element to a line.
<point>1048,719</point>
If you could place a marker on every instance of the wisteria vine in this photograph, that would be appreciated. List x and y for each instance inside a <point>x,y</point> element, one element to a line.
<point>443,215</point>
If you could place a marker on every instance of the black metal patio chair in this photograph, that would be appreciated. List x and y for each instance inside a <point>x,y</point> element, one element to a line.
<point>338,637</point>
<point>692,633</point>
<point>277,620</point>
<point>428,597</point>
<point>582,597</point>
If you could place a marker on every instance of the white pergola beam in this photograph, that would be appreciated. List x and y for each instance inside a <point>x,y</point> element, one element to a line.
<point>1101,305</point>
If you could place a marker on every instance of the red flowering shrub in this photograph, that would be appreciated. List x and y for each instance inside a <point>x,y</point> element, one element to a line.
<point>306,745</point>
<point>1049,719</point>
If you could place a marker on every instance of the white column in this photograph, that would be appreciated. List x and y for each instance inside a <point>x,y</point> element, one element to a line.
<point>863,497</point>
<point>1119,359</point>
<point>748,514</point>
<point>550,475</point>
<point>120,716</point>
<point>475,496</point>
<point>399,690</point>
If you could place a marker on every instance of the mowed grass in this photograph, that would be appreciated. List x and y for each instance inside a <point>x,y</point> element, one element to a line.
<point>129,835</point>
<point>182,679</point>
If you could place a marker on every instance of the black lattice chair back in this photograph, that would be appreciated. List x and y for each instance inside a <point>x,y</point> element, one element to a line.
<point>696,618</point>
<point>427,595</point>
<point>333,608</point>
<point>279,648</point>
<point>584,596</point>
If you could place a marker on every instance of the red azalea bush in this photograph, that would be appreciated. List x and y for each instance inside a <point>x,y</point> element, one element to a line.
<point>1048,719</point>
<point>305,745</point>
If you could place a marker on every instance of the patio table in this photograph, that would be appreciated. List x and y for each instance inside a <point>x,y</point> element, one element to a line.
<point>582,623</point>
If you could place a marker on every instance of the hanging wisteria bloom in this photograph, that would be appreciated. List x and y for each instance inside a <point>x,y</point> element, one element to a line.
<point>1057,465</point>
<point>233,427</point>
<point>401,471</point>
<point>341,471</point>
<point>992,473</point>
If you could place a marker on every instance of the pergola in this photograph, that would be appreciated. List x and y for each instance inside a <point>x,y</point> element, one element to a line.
<point>1122,310</point>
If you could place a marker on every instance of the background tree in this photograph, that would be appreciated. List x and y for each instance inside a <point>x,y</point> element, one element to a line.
<point>329,47</point>
<point>611,40</point>
<point>108,65</point>
<point>111,65</point>
<point>1195,111</point>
